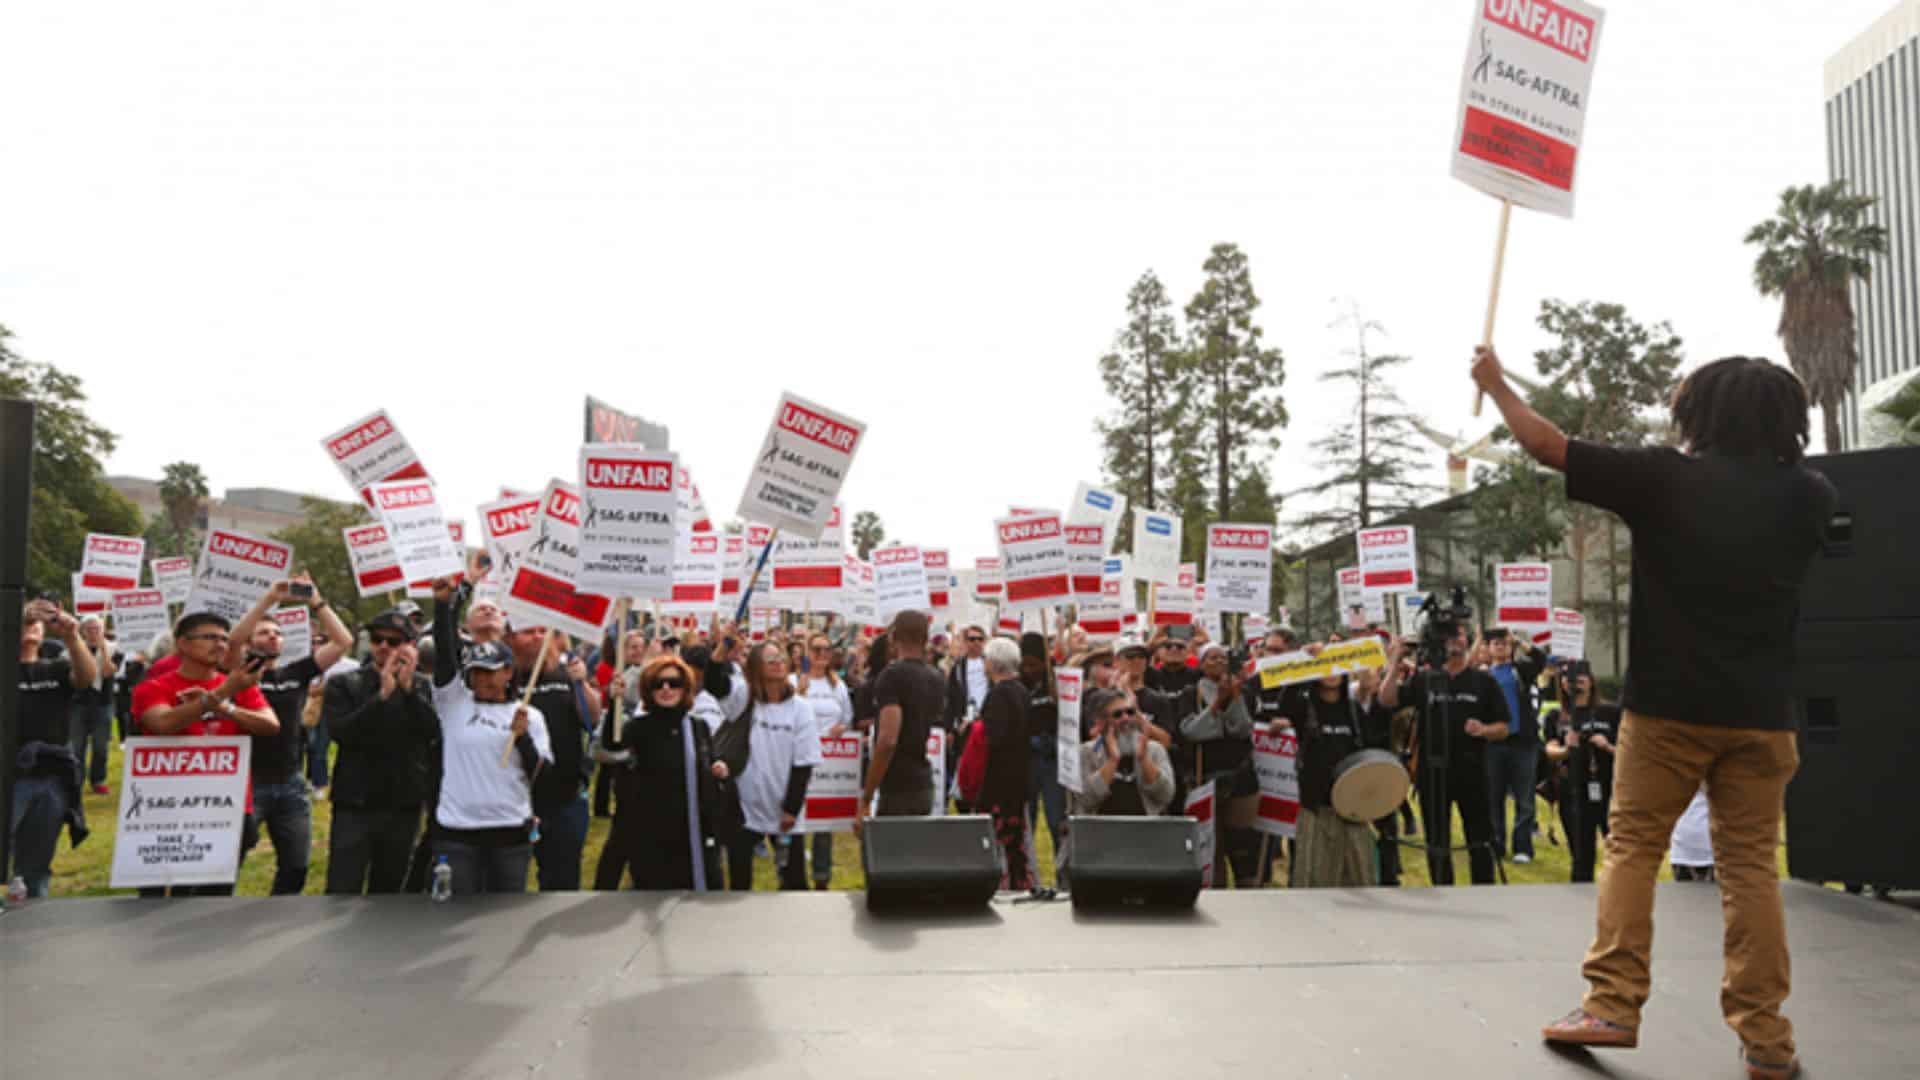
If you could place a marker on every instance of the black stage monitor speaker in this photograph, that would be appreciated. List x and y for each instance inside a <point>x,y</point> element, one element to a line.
<point>1151,861</point>
<point>930,862</point>
<point>1868,565</point>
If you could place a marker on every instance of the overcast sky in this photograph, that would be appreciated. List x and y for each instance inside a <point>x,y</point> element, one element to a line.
<point>247,225</point>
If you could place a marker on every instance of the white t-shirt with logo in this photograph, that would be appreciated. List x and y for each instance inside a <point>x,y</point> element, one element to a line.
<point>784,736</point>
<point>830,702</point>
<point>478,792</point>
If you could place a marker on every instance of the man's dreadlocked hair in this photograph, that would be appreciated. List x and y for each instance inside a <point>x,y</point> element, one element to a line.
<point>1743,405</point>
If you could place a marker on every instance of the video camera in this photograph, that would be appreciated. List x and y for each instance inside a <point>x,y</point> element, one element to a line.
<point>1442,623</point>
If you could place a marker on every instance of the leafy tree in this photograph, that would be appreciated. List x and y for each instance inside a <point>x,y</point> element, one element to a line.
<point>1811,251</point>
<point>320,550</point>
<point>1228,379</point>
<point>183,497</point>
<point>1141,375</point>
<point>1369,459</point>
<point>71,496</point>
<point>868,532</point>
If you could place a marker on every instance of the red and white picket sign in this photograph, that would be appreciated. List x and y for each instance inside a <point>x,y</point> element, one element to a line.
<point>696,574</point>
<point>810,573</point>
<point>111,562</point>
<point>173,576</point>
<point>1523,597</point>
<point>899,582</point>
<point>1523,100</point>
<point>833,794</point>
<point>87,600</point>
<point>233,570</point>
<point>508,526</point>
<point>632,521</point>
<point>1033,558</point>
<point>1387,561</point>
<point>988,578</point>
<point>1101,619</point>
<point>1569,638</point>
<point>939,568</point>
<point>371,450</point>
<point>1239,568</point>
<point>296,633</point>
<point>375,567</point>
<point>800,468</point>
<point>733,548</point>
<point>1187,576</point>
<point>417,529</point>
<point>1276,766</point>
<point>542,590</point>
<point>1086,557</point>
<point>138,616</point>
<point>1174,606</point>
<point>1200,808</point>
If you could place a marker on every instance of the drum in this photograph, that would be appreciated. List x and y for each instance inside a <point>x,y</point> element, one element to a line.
<point>1368,785</point>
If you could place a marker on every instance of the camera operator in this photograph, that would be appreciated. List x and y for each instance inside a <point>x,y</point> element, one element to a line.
<point>1582,744</point>
<point>1515,664</point>
<point>1474,712</point>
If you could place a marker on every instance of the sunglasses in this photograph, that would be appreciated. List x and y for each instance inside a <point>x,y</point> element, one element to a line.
<point>670,683</point>
<point>382,639</point>
<point>973,640</point>
<point>1118,714</point>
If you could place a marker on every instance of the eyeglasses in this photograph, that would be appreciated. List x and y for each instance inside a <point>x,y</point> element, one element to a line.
<point>221,638</point>
<point>974,640</point>
<point>1117,714</point>
<point>670,683</point>
<point>821,649</point>
<point>382,639</point>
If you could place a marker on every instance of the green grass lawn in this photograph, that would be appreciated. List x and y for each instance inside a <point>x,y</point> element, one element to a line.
<point>84,872</point>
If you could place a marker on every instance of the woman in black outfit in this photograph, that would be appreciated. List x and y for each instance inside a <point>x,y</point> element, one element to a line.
<point>1584,744</point>
<point>1003,792</point>
<point>666,793</point>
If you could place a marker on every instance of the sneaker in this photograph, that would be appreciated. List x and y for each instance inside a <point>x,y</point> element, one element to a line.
<point>1582,1028</point>
<point>320,793</point>
<point>101,789</point>
<point>1522,859</point>
<point>1759,1070</point>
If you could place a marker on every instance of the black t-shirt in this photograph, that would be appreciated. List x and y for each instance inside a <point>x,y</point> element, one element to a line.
<point>559,782</point>
<point>276,757</point>
<point>101,694</point>
<point>46,700</point>
<point>1471,695</point>
<point>1721,546</point>
<point>1328,732</point>
<point>1005,714</point>
<point>920,692</point>
<point>1587,763</point>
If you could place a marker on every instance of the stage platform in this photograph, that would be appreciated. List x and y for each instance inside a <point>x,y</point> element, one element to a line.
<point>1426,983</point>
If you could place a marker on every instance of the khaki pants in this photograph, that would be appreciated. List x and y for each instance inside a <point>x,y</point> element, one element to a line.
<point>1659,765</point>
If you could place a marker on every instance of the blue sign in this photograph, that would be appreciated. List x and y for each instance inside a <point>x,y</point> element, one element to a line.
<point>1160,526</point>
<point>1099,500</point>
<point>1113,566</point>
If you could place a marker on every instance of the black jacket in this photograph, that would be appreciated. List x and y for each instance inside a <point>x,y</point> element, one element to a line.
<point>384,745</point>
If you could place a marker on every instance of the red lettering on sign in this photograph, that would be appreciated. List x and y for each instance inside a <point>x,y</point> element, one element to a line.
<point>185,761</point>
<point>934,560</point>
<point>367,536</point>
<point>1547,23</point>
<point>705,545</point>
<point>1039,528</point>
<point>379,427</point>
<point>513,519</point>
<point>820,429</point>
<point>115,545</point>
<point>1523,573</point>
<point>1040,588</point>
<point>135,598</point>
<point>399,498</point>
<point>895,556</point>
<point>1087,535</point>
<point>564,506</point>
<point>1251,539</point>
<point>629,475</point>
<point>246,549</point>
<point>1373,538</point>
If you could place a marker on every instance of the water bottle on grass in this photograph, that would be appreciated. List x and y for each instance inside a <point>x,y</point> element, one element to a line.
<point>442,880</point>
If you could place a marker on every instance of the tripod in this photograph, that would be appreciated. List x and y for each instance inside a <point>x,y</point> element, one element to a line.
<point>1436,793</point>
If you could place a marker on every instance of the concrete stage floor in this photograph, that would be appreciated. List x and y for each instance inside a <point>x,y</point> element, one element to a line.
<point>1415,983</point>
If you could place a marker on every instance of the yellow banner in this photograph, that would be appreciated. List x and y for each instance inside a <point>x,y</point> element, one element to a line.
<point>1343,658</point>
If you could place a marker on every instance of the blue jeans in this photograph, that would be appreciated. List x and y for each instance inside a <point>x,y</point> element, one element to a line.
<point>92,725</point>
<point>318,743</point>
<point>486,869</point>
<point>563,843</point>
<point>287,813</point>
<point>1510,768</point>
<point>39,813</point>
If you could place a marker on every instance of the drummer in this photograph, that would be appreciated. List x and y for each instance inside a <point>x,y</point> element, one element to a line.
<point>1328,720</point>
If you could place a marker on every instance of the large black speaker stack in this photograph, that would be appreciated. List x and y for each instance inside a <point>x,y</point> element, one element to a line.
<point>922,862</point>
<point>1850,814</point>
<point>16,501</point>
<point>1134,861</point>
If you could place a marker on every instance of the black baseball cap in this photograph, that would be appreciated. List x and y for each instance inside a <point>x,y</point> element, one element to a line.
<point>394,622</point>
<point>486,656</point>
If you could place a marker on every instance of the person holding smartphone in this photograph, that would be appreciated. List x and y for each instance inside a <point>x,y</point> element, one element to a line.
<point>46,787</point>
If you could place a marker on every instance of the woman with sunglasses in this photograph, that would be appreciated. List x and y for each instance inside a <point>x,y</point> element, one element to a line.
<point>783,746</point>
<point>484,816</point>
<point>666,797</point>
<point>826,694</point>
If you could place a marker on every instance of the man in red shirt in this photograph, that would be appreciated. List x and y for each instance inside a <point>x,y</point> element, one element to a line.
<point>195,698</point>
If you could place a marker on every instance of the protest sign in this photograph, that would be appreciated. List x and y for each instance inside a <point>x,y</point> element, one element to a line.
<point>1276,766</point>
<point>182,799</point>
<point>857,601</point>
<point>1174,606</point>
<point>508,527</point>
<point>606,424</point>
<point>88,600</point>
<point>416,528</point>
<point>1086,557</point>
<point>733,549</point>
<point>1410,617</point>
<point>1341,658</point>
<point>543,589</point>
<point>111,562</point>
<point>234,569</point>
<point>1523,100</point>
<point>1569,639</point>
<point>692,509</point>
<point>371,450</point>
<point>173,576</point>
<point>1033,561</point>
<point>1387,560</point>
<point>1187,575</point>
<point>1156,546</point>
<point>139,615</point>
<point>939,571</point>
<point>1102,619</point>
<point>761,621</point>
<point>1255,626</point>
<point>937,761</point>
<point>796,480</point>
<point>899,582</point>
<point>1117,568</point>
<point>296,634</point>
<point>1350,596</point>
<point>1239,568</point>
<point>833,794</point>
<point>809,573</point>
<point>1098,506</point>
<point>1068,684</point>
<point>696,574</point>
<point>988,579</point>
<point>1523,597</point>
<point>757,539</point>
<point>1200,809</point>
<point>632,520</point>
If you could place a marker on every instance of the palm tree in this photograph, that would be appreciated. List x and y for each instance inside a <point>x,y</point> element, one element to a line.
<point>867,533</point>
<point>1812,250</point>
<point>183,490</point>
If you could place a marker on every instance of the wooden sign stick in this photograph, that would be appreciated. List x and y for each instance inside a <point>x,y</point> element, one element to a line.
<point>1493,290</point>
<point>526,696</point>
<point>616,690</point>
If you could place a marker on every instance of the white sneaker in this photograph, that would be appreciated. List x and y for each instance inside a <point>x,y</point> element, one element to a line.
<point>1522,859</point>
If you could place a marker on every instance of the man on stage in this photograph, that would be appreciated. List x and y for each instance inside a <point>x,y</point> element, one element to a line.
<point>1724,531</point>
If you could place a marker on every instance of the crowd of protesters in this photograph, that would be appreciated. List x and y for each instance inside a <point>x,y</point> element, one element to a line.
<point>465,739</point>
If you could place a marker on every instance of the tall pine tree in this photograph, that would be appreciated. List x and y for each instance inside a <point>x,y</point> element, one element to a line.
<point>1141,377</point>
<point>1229,381</point>
<point>1369,460</point>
